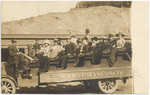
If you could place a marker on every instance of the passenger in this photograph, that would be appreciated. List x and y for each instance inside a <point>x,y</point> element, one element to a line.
<point>83,50</point>
<point>40,48</point>
<point>55,41</point>
<point>71,50</point>
<point>113,56</point>
<point>98,47</point>
<point>79,44</point>
<point>121,41</point>
<point>36,46</point>
<point>18,61</point>
<point>71,47</point>
<point>94,41</point>
<point>44,56</point>
<point>31,51</point>
<point>87,32</point>
<point>73,38</point>
<point>59,51</point>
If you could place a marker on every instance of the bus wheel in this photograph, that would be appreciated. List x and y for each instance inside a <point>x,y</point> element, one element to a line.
<point>7,86</point>
<point>108,86</point>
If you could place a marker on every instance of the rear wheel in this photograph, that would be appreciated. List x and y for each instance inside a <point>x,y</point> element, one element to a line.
<point>108,86</point>
<point>7,86</point>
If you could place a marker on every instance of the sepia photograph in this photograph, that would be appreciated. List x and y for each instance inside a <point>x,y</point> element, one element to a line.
<point>66,47</point>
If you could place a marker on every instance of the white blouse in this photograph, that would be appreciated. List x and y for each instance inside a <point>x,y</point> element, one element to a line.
<point>120,43</point>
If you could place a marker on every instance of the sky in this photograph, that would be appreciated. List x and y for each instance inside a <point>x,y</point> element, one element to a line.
<point>15,10</point>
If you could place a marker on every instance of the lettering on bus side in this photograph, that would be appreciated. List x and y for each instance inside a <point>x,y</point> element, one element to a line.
<point>91,74</point>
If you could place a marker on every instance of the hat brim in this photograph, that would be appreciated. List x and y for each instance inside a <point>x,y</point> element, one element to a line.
<point>94,39</point>
<point>46,43</point>
<point>120,34</point>
<point>14,41</point>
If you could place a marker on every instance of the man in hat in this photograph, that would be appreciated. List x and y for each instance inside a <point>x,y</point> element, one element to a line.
<point>98,47</point>
<point>112,45</point>
<point>79,45</point>
<point>73,38</point>
<point>36,46</point>
<point>71,50</point>
<point>94,41</point>
<point>31,51</point>
<point>17,60</point>
<point>71,47</point>
<point>121,41</point>
<point>83,50</point>
<point>87,32</point>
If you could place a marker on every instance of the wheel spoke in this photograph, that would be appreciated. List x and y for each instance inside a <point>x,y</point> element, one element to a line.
<point>9,90</point>
<point>4,82</point>
<point>105,87</point>
<point>110,87</point>
<point>10,87</point>
<point>103,84</point>
<point>111,84</point>
<point>7,84</point>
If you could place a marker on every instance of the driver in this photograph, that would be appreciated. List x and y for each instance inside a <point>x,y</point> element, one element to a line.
<point>18,61</point>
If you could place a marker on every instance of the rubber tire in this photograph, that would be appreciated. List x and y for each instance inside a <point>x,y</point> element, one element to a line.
<point>106,91</point>
<point>10,82</point>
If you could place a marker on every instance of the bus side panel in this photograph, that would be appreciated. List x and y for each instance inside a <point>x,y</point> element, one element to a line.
<point>84,75</point>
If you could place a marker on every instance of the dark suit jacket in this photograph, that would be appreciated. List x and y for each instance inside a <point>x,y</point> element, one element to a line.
<point>31,53</point>
<point>12,50</point>
<point>36,46</point>
<point>85,49</point>
<point>71,48</point>
<point>12,57</point>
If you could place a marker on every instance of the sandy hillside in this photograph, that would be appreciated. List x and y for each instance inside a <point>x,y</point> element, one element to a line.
<point>100,20</point>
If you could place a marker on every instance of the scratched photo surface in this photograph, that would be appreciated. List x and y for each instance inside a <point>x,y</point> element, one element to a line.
<point>66,47</point>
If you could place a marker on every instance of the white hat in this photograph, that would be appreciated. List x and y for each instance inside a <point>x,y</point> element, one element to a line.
<point>46,42</point>
<point>73,35</point>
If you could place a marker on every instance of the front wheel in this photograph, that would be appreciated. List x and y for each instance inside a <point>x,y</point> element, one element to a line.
<point>108,86</point>
<point>7,86</point>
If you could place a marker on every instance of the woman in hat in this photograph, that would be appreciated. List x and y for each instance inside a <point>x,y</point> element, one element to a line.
<point>121,41</point>
<point>46,48</point>
<point>44,56</point>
